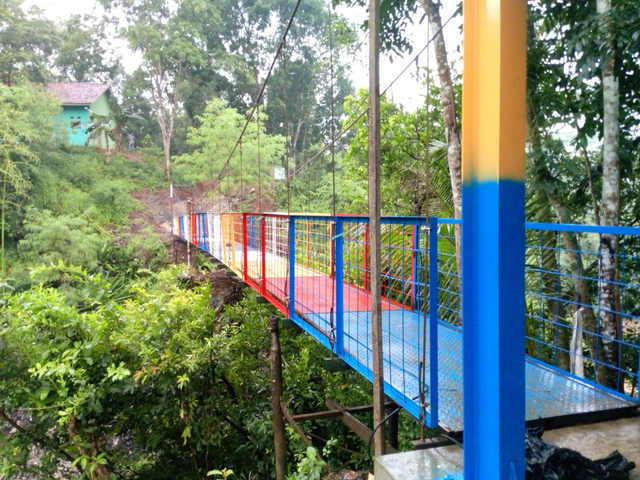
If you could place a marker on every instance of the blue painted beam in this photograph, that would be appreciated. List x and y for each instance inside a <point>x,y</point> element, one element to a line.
<point>339,282</point>
<point>433,321</point>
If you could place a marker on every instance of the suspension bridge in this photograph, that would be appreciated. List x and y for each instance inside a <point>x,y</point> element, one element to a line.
<point>315,270</point>
<point>529,319</point>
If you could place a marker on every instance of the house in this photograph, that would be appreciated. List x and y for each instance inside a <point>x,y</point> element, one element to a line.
<point>78,101</point>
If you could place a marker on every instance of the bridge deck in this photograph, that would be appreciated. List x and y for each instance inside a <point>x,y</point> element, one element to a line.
<point>549,391</point>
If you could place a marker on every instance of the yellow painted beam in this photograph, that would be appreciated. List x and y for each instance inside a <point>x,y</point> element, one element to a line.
<point>494,90</point>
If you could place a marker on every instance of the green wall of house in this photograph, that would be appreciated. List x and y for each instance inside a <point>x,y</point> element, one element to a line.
<point>73,116</point>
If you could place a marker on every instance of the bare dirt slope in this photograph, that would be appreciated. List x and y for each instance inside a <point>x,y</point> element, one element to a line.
<point>155,212</point>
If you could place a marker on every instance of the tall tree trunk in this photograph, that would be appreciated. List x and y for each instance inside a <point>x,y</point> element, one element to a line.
<point>552,292</point>
<point>550,288</point>
<point>449,115</point>
<point>582,293</point>
<point>159,83</point>
<point>610,209</point>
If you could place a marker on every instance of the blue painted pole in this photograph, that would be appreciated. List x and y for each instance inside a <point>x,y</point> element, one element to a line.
<point>415,270</point>
<point>201,229</point>
<point>493,173</point>
<point>339,279</point>
<point>433,321</point>
<point>292,266</point>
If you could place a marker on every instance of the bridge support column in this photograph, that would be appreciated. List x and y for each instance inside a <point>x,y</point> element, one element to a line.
<point>433,322</point>
<point>494,93</point>
<point>292,266</point>
<point>339,283</point>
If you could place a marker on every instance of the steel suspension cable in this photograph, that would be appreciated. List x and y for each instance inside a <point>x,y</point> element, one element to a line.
<point>263,86</point>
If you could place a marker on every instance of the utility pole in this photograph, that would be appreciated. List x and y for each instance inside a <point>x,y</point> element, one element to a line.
<point>279,435</point>
<point>374,225</point>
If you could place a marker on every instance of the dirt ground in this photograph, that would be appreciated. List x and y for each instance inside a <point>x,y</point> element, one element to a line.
<point>156,212</point>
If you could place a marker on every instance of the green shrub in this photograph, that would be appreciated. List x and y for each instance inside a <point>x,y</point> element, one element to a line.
<point>50,239</point>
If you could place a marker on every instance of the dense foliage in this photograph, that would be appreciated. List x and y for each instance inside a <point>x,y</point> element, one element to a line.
<point>113,366</point>
<point>155,385</point>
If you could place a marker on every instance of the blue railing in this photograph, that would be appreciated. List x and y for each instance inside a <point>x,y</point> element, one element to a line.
<point>317,271</point>
<point>566,313</point>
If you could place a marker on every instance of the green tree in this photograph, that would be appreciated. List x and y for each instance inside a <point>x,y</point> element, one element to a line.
<point>75,240</point>
<point>584,49</point>
<point>26,123</point>
<point>403,166</point>
<point>82,54</point>
<point>168,36</point>
<point>213,141</point>
<point>299,92</point>
<point>28,42</point>
<point>187,384</point>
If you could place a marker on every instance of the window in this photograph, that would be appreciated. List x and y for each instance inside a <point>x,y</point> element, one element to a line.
<point>75,122</point>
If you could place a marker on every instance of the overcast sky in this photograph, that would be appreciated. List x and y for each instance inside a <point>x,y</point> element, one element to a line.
<point>406,91</point>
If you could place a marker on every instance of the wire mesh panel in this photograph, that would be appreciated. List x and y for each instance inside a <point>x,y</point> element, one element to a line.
<point>315,288</point>
<point>449,270</point>
<point>407,336</point>
<point>396,257</point>
<point>580,317</point>
<point>232,241</point>
<point>276,258</point>
<point>237,222</point>
<point>203,231</point>
<point>356,253</point>
<point>254,250</point>
<point>215,235</point>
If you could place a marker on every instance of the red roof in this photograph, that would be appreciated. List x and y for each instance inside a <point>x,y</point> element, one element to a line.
<point>77,93</point>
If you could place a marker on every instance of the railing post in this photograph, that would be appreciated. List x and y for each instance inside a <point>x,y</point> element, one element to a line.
<point>433,321</point>
<point>415,258</point>
<point>245,268</point>
<point>292,266</point>
<point>339,279</point>
<point>263,246</point>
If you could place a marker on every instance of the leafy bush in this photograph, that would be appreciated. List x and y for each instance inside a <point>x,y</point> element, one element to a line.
<point>154,369</point>
<point>71,239</point>
<point>149,248</point>
<point>71,180</point>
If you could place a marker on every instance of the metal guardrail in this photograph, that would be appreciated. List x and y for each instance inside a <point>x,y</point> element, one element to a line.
<point>315,269</point>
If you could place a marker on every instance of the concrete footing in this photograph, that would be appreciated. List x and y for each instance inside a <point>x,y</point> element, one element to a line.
<point>594,441</point>
<point>432,464</point>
